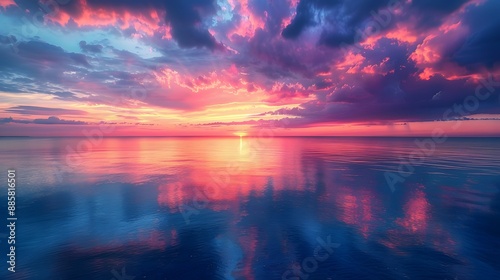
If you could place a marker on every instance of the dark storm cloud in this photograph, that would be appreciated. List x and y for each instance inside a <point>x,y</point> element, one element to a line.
<point>343,23</point>
<point>481,48</point>
<point>431,13</point>
<point>482,44</point>
<point>347,22</point>
<point>184,17</point>
<point>301,21</point>
<point>397,95</point>
<point>342,19</point>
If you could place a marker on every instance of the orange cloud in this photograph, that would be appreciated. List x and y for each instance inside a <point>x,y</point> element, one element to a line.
<point>402,34</point>
<point>351,63</point>
<point>249,22</point>
<point>425,52</point>
<point>145,22</point>
<point>227,81</point>
<point>376,68</point>
<point>428,55</point>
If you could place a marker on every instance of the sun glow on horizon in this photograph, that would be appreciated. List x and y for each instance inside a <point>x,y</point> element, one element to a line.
<point>240,134</point>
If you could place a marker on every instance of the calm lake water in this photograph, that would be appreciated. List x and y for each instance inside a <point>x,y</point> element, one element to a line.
<point>231,208</point>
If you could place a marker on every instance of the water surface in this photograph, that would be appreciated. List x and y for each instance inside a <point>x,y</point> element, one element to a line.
<point>253,208</point>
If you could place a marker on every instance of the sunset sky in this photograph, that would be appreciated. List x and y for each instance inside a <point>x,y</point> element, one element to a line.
<point>252,67</point>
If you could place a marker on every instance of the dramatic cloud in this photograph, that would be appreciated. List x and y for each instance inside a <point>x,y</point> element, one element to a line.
<point>203,64</point>
<point>184,18</point>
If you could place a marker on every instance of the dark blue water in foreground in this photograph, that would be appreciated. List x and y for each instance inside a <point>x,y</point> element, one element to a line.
<point>225,208</point>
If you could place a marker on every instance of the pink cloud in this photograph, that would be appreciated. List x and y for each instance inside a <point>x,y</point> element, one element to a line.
<point>248,23</point>
<point>5,3</point>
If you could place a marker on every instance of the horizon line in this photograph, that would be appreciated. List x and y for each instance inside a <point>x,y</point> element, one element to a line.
<point>253,136</point>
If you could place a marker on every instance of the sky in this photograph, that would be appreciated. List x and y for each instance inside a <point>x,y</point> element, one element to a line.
<point>249,67</point>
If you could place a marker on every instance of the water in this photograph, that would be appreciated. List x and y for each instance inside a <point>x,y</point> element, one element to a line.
<point>273,208</point>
